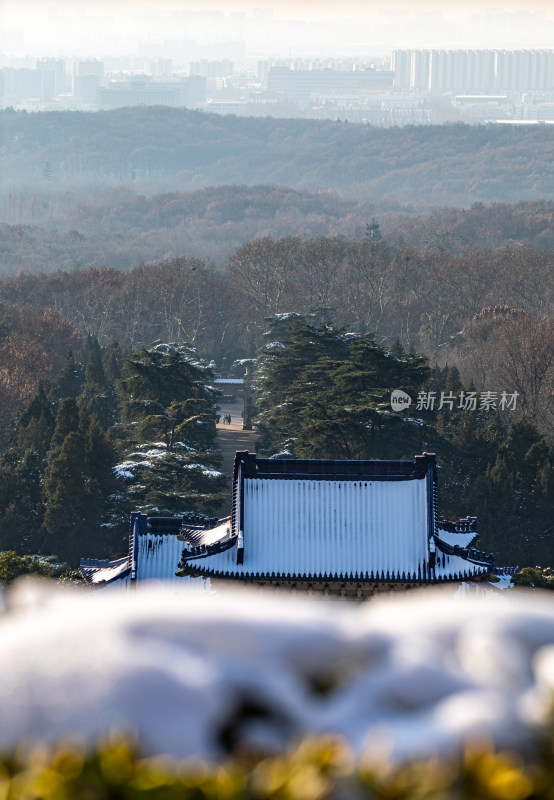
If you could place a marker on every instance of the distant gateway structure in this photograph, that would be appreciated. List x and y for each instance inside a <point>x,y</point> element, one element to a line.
<point>347,528</point>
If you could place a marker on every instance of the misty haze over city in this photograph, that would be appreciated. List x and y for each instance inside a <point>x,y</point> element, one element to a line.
<point>367,63</point>
<point>170,29</point>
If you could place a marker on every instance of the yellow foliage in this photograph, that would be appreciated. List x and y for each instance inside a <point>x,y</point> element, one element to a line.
<point>322,769</point>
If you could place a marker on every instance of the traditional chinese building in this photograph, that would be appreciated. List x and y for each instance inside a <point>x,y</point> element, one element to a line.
<point>338,527</point>
<point>348,528</point>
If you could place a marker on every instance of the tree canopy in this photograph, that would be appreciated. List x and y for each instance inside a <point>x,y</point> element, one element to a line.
<point>324,392</point>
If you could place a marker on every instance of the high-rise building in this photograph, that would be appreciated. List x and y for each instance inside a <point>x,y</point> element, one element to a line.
<point>419,70</point>
<point>481,70</point>
<point>89,66</point>
<point>401,65</point>
<point>53,76</point>
<point>474,70</point>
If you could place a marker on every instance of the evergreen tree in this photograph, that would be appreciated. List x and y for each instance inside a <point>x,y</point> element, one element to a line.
<point>98,397</point>
<point>73,502</point>
<point>38,407</point>
<point>20,502</point>
<point>452,382</point>
<point>322,393</point>
<point>69,382</point>
<point>35,436</point>
<point>101,456</point>
<point>90,345</point>
<point>154,378</point>
<point>94,371</point>
<point>67,421</point>
<point>13,565</point>
<point>167,411</point>
<point>373,231</point>
<point>21,469</point>
<point>77,482</point>
<point>112,360</point>
<point>35,426</point>
<point>102,405</point>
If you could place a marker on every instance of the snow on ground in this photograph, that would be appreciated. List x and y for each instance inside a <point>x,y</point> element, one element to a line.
<point>423,671</point>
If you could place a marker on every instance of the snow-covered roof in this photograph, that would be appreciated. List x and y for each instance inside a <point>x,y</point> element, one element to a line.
<point>97,571</point>
<point>327,528</point>
<point>332,520</point>
<point>457,538</point>
<point>365,521</point>
<point>449,567</point>
<point>230,381</point>
<point>206,537</point>
<point>155,549</point>
<point>157,556</point>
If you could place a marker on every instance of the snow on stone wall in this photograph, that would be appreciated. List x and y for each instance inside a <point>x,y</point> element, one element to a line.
<point>423,671</point>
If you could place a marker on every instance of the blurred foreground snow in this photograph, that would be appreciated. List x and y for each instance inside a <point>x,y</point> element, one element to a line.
<point>197,674</point>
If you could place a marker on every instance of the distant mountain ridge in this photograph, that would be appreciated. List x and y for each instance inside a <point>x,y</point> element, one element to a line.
<point>157,150</point>
<point>118,228</point>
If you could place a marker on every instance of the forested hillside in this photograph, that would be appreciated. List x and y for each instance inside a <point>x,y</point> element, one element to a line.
<point>162,149</point>
<point>118,228</point>
<point>421,296</point>
<point>107,435</point>
<point>488,311</point>
<point>482,225</point>
<point>33,346</point>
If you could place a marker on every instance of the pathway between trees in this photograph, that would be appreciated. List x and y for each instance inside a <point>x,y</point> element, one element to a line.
<point>232,438</point>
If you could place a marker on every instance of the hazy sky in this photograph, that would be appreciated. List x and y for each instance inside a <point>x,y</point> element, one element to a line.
<point>311,27</point>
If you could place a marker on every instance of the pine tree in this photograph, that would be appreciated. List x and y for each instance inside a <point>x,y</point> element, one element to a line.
<point>35,426</point>
<point>35,436</point>
<point>67,421</point>
<point>20,502</point>
<point>166,397</point>
<point>154,378</point>
<point>90,344</point>
<point>102,405</point>
<point>69,382</point>
<point>452,382</point>
<point>100,456</point>
<point>322,393</point>
<point>112,360</point>
<point>94,371</point>
<point>39,406</point>
<point>373,231</point>
<point>73,502</point>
